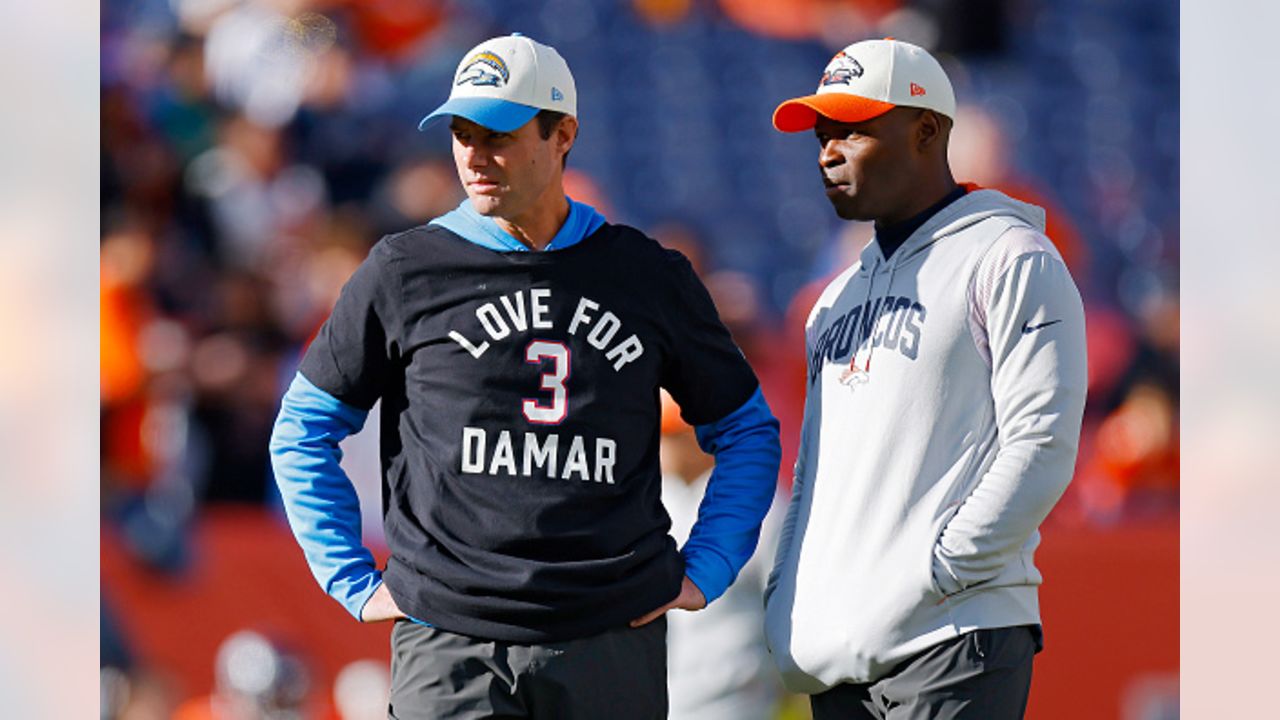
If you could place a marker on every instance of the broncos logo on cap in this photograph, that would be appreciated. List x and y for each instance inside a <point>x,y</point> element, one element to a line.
<point>484,68</point>
<point>841,70</point>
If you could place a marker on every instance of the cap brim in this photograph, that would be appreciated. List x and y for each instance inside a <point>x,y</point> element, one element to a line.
<point>497,115</point>
<point>802,113</point>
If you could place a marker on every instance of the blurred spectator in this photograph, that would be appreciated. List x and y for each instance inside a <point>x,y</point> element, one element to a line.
<point>127,256</point>
<point>796,19</point>
<point>975,28</point>
<point>251,191</point>
<point>980,153</point>
<point>738,301</point>
<point>126,691</point>
<point>735,293</point>
<point>682,238</point>
<point>156,518</point>
<point>256,679</point>
<point>362,691</point>
<point>260,56</point>
<point>1133,471</point>
<point>718,666</point>
<point>972,28</point>
<point>138,168</point>
<point>394,29</point>
<point>236,377</point>
<point>133,695</point>
<point>414,192</point>
<point>113,691</point>
<point>1112,348</point>
<point>660,13</point>
<point>144,453</point>
<point>582,187</point>
<point>182,109</point>
<point>305,276</point>
<point>1157,359</point>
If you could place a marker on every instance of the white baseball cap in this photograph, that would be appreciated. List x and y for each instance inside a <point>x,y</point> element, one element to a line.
<point>504,81</point>
<point>868,79</point>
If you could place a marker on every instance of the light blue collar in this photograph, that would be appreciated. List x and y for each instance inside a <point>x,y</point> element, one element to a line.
<point>483,231</point>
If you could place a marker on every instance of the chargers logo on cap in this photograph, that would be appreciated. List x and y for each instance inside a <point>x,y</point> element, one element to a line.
<point>841,70</point>
<point>483,68</point>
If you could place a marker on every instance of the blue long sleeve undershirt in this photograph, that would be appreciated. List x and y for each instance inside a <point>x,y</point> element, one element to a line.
<point>324,512</point>
<point>747,451</point>
<point>319,499</point>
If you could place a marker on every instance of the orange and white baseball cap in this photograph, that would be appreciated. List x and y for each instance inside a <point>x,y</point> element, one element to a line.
<point>868,79</point>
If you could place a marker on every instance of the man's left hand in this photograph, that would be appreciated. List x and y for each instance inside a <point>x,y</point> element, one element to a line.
<point>690,598</point>
<point>381,606</point>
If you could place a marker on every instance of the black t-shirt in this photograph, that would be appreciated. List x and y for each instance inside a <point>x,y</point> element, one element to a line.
<point>520,421</point>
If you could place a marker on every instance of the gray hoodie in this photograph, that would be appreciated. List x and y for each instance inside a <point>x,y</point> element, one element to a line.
<point>945,393</point>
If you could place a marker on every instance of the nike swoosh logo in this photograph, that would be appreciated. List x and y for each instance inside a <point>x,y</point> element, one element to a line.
<point>1028,329</point>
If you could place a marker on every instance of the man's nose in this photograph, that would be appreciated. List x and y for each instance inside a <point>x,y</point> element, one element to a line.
<point>827,156</point>
<point>475,155</point>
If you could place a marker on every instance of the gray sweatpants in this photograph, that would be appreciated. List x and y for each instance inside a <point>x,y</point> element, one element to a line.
<point>620,673</point>
<point>981,675</point>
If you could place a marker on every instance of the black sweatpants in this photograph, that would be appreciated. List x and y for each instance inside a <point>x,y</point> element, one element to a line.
<point>981,675</point>
<point>621,673</point>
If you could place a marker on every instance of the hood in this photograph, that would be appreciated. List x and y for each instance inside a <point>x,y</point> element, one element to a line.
<point>974,207</point>
<point>483,231</point>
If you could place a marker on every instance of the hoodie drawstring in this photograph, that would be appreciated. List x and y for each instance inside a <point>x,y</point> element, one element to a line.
<point>853,368</point>
<point>866,303</point>
<point>893,269</point>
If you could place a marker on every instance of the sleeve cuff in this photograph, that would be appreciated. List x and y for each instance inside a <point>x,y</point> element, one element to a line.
<point>357,599</point>
<point>711,577</point>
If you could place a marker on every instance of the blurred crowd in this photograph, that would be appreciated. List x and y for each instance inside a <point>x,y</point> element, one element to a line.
<point>256,677</point>
<point>252,151</point>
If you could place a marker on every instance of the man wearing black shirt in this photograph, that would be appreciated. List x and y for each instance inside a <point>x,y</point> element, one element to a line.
<point>517,345</point>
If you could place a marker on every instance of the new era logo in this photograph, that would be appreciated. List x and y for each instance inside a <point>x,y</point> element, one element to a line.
<point>916,90</point>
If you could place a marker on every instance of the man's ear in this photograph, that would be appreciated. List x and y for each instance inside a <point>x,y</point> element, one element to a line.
<point>566,133</point>
<point>930,130</point>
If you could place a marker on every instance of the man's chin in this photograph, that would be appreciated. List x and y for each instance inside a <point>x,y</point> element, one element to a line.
<point>486,205</point>
<point>846,209</point>
<point>843,210</point>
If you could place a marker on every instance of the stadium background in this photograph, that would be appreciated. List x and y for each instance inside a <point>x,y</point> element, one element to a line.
<point>253,151</point>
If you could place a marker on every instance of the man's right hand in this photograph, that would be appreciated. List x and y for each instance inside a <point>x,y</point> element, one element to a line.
<point>381,607</point>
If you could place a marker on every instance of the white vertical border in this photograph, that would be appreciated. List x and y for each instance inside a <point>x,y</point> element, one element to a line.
<point>1230,170</point>
<point>49,62</point>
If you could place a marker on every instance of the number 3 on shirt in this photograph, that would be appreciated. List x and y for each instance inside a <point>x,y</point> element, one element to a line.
<point>552,380</point>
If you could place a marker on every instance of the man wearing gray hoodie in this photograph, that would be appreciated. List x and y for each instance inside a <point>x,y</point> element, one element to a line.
<point>946,383</point>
